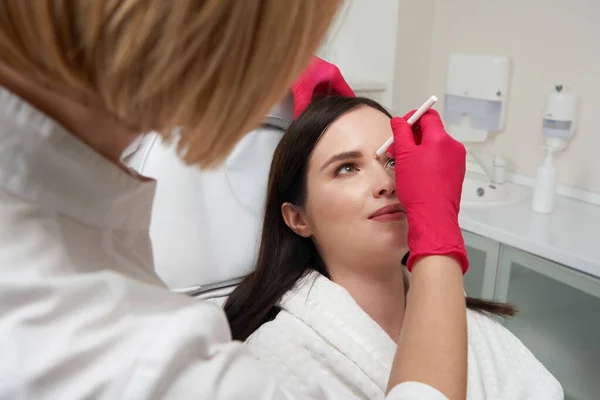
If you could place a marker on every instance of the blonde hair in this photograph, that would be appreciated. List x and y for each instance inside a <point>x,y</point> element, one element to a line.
<point>210,69</point>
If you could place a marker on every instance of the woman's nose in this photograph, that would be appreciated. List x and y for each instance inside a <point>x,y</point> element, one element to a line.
<point>384,184</point>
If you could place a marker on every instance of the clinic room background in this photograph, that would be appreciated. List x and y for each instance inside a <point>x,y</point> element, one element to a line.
<point>402,47</point>
<point>530,205</point>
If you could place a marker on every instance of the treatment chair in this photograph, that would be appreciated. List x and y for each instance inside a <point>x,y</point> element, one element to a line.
<point>206,224</point>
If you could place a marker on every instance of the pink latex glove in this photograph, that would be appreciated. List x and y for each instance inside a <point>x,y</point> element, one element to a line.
<point>430,169</point>
<point>320,78</point>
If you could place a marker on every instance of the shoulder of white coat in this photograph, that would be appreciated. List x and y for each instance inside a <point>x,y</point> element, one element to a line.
<point>273,334</point>
<point>485,329</point>
<point>281,341</point>
<point>497,354</point>
<point>281,345</point>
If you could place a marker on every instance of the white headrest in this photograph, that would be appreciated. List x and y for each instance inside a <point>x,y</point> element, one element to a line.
<point>206,224</point>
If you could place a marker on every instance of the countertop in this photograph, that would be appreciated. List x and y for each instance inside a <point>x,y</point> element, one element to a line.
<point>569,236</point>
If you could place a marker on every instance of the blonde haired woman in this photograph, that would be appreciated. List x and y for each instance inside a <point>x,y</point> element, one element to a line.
<point>82,312</point>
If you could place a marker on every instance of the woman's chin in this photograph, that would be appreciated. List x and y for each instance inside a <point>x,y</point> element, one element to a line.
<point>392,248</point>
<point>394,233</point>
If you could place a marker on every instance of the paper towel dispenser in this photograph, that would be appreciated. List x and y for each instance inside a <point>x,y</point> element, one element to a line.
<point>476,95</point>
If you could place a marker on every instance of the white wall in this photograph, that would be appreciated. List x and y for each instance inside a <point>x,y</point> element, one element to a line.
<point>413,49</point>
<point>362,44</point>
<point>550,42</point>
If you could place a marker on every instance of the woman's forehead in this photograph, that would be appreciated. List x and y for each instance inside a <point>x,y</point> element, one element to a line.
<point>363,129</point>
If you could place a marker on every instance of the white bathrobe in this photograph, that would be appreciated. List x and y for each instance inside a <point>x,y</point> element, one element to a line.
<point>322,335</point>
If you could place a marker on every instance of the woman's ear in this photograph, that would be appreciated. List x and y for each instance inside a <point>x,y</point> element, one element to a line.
<point>295,220</point>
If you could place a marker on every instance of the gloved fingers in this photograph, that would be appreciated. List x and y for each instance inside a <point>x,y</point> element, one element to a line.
<point>403,136</point>
<point>335,87</point>
<point>340,85</point>
<point>304,86</point>
<point>432,130</point>
<point>431,126</point>
<point>409,114</point>
<point>330,81</point>
<point>319,78</point>
<point>431,119</point>
<point>391,151</point>
<point>302,97</point>
<point>417,133</point>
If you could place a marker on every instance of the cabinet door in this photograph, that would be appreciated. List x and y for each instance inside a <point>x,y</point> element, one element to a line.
<point>558,320</point>
<point>480,278</point>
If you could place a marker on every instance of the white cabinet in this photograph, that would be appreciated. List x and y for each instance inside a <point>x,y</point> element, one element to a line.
<point>558,320</point>
<point>483,255</point>
<point>559,310</point>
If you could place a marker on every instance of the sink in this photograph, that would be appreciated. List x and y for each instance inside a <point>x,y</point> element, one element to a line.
<point>479,191</point>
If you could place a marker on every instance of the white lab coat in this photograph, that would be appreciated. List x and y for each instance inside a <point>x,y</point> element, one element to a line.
<point>82,312</point>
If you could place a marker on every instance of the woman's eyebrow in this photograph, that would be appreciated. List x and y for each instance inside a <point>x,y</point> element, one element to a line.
<point>346,155</point>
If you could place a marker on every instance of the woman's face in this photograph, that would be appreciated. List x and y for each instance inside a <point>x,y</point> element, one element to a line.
<point>351,211</point>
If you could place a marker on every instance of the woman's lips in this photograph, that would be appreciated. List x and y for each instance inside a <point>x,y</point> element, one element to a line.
<point>389,213</point>
<point>390,217</point>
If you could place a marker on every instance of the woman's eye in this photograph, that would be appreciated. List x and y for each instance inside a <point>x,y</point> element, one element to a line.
<point>391,163</point>
<point>346,169</point>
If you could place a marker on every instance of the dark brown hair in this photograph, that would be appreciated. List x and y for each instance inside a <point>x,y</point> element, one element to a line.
<point>284,257</point>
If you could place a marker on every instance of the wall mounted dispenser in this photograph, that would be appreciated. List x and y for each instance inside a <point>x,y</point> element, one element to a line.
<point>476,95</point>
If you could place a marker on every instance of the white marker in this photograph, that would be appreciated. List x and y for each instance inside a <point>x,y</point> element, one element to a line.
<point>426,106</point>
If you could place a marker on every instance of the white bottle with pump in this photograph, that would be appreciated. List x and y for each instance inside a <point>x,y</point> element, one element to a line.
<point>559,125</point>
<point>544,192</point>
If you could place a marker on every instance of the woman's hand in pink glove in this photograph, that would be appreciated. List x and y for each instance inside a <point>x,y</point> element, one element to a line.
<point>430,169</point>
<point>320,78</point>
